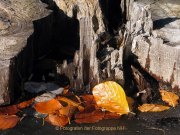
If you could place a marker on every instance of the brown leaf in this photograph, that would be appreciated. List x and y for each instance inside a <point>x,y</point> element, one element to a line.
<point>48,106</point>
<point>152,108</point>
<point>70,102</point>
<point>90,117</point>
<point>25,104</point>
<point>170,98</point>
<point>88,99</point>
<point>9,110</point>
<point>110,115</point>
<point>57,120</point>
<point>111,96</point>
<point>8,121</point>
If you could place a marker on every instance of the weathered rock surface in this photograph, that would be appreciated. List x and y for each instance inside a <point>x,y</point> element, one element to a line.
<point>156,39</point>
<point>16,49</point>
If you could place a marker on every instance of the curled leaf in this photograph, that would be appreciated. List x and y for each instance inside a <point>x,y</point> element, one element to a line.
<point>152,108</point>
<point>111,96</point>
<point>48,106</point>
<point>70,102</point>
<point>8,121</point>
<point>170,98</point>
<point>9,110</point>
<point>57,120</point>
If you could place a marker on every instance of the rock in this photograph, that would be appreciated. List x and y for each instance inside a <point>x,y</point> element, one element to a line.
<point>16,53</point>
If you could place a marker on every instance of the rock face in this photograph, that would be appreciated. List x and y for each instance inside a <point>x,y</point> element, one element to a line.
<point>156,39</point>
<point>16,39</point>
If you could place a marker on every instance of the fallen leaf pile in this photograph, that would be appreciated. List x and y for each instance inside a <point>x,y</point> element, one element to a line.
<point>8,119</point>
<point>108,101</point>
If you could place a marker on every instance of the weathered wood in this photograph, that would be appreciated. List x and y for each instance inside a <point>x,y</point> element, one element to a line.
<point>87,70</point>
<point>16,50</point>
<point>157,49</point>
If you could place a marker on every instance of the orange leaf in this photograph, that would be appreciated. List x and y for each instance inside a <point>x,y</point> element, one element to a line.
<point>10,110</point>
<point>8,121</point>
<point>67,111</point>
<point>169,97</point>
<point>152,108</point>
<point>111,96</point>
<point>57,120</point>
<point>48,106</point>
<point>25,104</point>
<point>90,117</point>
<point>70,102</point>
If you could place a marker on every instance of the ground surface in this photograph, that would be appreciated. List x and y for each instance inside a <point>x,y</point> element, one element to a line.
<point>164,123</point>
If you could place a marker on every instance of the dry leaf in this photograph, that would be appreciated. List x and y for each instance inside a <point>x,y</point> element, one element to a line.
<point>88,99</point>
<point>89,117</point>
<point>70,102</point>
<point>9,110</point>
<point>111,96</point>
<point>48,107</point>
<point>57,120</point>
<point>152,108</point>
<point>110,115</point>
<point>8,121</point>
<point>170,98</point>
<point>67,111</point>
<point>25,104</point>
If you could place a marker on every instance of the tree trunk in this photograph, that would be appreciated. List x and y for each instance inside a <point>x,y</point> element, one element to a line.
<point>149,39</point>
<point>135,43</point>
<point>16,44</point>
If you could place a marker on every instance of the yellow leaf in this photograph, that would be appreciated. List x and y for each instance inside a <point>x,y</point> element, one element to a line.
<point>152,108</point>
<point>111,96</point>
<point>169,97</point>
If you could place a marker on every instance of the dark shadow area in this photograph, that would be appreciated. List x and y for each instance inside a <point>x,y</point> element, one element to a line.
<point>58,42</point>
<point>158,24</point>
<point>137,79</point>
<point>112,13</point>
